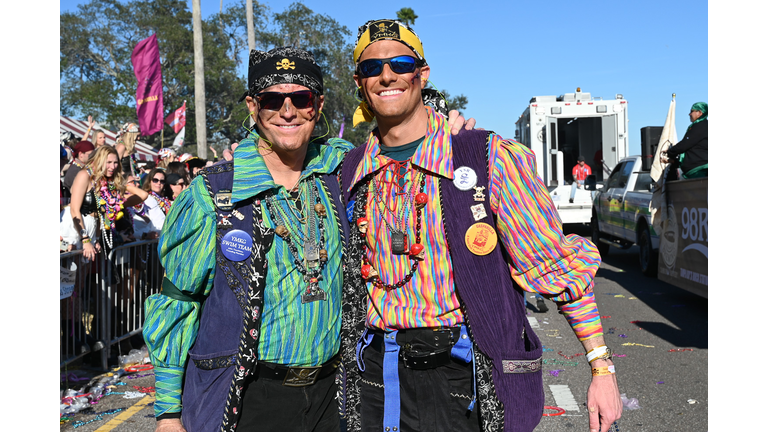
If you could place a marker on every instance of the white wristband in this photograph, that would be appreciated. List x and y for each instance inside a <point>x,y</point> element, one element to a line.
<point>596,352</point>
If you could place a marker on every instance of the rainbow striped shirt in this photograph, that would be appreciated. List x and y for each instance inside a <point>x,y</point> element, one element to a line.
<point>544,260</point>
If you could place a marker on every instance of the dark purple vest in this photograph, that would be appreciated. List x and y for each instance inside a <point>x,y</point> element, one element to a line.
<point>494,305</point>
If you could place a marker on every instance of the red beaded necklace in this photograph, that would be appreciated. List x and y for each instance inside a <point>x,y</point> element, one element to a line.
<point>416,251</point>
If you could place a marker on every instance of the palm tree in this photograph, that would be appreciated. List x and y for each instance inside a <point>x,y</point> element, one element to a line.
<point>407,15</point>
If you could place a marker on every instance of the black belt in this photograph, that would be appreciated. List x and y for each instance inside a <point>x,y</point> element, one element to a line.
<point>430,358</point>
<point>298,376</point>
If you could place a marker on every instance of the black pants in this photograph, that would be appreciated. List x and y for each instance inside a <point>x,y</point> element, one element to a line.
<point>430,400</point>
<point>268,405</point>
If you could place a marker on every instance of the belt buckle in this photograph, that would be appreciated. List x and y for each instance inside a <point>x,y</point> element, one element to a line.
<point>301,377</point>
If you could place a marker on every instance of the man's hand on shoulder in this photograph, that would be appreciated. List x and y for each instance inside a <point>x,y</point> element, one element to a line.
<point>169,425</point>
<point>456,121</point>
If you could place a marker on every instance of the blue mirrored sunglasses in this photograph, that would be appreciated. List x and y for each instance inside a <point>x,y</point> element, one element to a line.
<point>400,64</point>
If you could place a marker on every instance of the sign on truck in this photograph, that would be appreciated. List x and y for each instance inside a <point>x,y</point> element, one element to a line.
<point>684,245</point>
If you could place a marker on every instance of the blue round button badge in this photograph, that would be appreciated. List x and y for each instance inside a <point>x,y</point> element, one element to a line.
<point>236,245</point>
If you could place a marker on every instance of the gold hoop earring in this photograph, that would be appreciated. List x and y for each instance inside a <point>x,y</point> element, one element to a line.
<point>359,94</point>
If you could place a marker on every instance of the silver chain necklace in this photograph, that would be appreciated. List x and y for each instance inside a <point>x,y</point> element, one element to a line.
<point>315,256</point>
<point>398,235</point>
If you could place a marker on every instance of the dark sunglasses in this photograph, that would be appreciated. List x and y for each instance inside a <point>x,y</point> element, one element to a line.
<point>274,100</point>
<point>400,65</point>
<point>156,180</point>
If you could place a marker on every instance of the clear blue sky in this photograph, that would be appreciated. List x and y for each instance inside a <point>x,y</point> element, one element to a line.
<point>501,53</point>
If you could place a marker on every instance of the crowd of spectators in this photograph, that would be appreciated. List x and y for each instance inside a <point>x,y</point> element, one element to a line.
<point>162,179</point>
<point>122,199</point>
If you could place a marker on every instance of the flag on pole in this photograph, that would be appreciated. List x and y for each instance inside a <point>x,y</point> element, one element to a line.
<point>178,119</point>
<point>179,140</point>
<point>149,94</point>
<point>668,138</point>
<point>658,204</point>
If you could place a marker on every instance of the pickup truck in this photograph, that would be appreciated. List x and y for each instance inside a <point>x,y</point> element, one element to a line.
<point>620,214</point>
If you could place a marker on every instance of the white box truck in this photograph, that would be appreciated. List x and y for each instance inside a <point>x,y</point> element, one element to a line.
<point>560,129</point>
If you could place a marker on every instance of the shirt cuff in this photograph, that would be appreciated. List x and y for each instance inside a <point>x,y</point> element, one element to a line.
<point>168,383</point>
<point>168,416</point>
<point>583,317</point>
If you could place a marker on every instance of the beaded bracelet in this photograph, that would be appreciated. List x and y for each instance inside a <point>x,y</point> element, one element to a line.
<point>86,240</point>
<point>605,370</point>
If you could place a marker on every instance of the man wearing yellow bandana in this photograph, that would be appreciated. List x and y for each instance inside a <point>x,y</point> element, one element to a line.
<point>447,233</point>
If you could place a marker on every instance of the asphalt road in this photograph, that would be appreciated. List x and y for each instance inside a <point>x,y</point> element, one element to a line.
<point>643,319</point>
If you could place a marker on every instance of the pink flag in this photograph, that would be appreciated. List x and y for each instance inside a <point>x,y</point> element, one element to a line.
<point>178,119</point>
<point>149,95</point>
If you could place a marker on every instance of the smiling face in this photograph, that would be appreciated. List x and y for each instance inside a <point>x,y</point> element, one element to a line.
<point>157,183</point>
<point>110,165</point>
<point>392,97</point>
<point>288,128</point>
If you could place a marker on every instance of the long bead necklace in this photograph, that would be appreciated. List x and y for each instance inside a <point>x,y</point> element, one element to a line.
<point>315,256</point>
<point>416,251</point>
<point>398,233</point>
<point>110,204</point>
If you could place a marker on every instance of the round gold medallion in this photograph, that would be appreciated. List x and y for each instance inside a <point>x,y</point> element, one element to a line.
<point>481,239</point>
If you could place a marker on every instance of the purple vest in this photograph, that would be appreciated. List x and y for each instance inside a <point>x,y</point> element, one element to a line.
<point>224,353</point>
<point>494,306</point>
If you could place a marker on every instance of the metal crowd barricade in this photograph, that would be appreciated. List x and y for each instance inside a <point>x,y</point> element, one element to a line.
<point>106,306</point>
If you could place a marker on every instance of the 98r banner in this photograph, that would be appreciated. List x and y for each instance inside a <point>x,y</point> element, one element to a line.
<point>684,242</point>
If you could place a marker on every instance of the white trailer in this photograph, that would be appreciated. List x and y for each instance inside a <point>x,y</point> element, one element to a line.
<point>560,129</point>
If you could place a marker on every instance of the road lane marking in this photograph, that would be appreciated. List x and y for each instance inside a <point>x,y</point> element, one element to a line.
<point>125,415</point>
<point>563,397</point>
<point>533,322</point>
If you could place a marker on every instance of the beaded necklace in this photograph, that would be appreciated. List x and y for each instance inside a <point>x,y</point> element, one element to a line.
<point>398,232</point>
<point>416,251</point>
<point>110,203</point>
<point>315,255</point>
<point>162,201</point>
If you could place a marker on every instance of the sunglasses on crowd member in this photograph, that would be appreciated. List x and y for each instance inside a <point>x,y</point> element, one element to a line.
<point>400,65</point>
<point>157,180</point>
<point>274,100</point>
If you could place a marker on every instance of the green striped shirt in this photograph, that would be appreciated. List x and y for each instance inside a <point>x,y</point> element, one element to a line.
<point>292,333</point>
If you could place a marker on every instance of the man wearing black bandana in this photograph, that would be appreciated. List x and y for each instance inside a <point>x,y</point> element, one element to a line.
<point>248,320</point>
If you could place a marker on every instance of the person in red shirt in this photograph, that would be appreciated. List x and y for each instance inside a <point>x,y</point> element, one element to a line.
<point>580,173</point>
